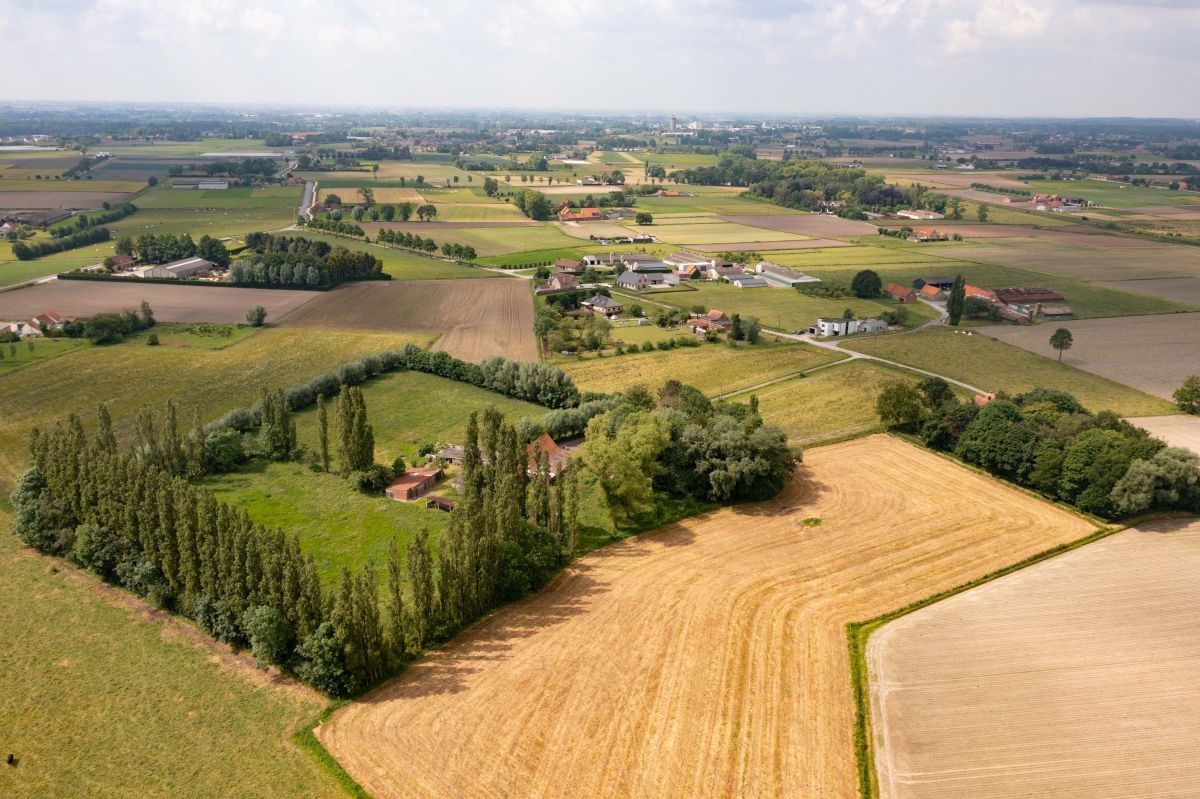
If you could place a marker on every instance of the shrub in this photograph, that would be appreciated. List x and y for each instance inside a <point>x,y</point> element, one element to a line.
<point>374,478</point>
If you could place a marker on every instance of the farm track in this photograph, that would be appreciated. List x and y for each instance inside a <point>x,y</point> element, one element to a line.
<point>705,659</point>
<point>1073,678</point>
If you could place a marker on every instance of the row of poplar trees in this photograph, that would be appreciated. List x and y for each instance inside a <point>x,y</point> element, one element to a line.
<point>133,517</point>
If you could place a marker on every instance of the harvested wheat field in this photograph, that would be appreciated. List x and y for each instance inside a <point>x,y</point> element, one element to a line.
<point>705,659</point>
<point>1073,679</point>
<point>1178,431</point>
<point>170,303</point>
<point>477,318</point>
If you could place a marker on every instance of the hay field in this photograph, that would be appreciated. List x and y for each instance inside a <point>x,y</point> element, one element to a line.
<point>33,200</point>
<point>1072,678</point>
<point>383,194</point>
<point>707,658</point>
<point>709,232</point>
<point>1153,354</point>
<point>170,303</point>
<point>712,368</point>
<point>476,318</point>
<point>991,364</point>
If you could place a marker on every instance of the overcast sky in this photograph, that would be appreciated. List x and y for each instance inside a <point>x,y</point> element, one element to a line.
<point>958,57</point>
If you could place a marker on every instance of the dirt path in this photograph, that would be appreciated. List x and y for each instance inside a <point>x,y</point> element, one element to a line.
<point>706,659</point>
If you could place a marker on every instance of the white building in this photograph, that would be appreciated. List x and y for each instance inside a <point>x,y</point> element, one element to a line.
<point>782,275</point>
<point>176,270</point>
<point>919,214</point>
<point>830,327</point>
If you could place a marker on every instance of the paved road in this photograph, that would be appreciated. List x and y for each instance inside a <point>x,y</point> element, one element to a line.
<point>310,190</point>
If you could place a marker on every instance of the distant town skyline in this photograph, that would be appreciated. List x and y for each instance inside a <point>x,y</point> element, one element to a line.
<point>880,57</point>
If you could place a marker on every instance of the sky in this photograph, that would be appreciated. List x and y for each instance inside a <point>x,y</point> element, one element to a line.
<point>879,57</point>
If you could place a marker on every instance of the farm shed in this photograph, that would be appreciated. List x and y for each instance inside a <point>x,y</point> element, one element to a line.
<point>412,484</point>
<point>899,293</point>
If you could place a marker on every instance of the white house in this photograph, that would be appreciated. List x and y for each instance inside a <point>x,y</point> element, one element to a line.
<point>830,327</point>
<point>919,214</point>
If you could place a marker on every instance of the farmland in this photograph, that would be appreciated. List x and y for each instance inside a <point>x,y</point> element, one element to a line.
<point>777,308</point>
<point>129,376</point>
<point>1141,351</point>
<point>1177,430</point>
<point>478,318</point>
<point>170,303</point>
<point>712,368</point>
<point>117,700</point>
<point>995,366</point>
<point>739,683</point>
<point>1070,678</point>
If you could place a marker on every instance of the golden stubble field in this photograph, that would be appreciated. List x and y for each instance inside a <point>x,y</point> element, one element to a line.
<point>1074,678</point>
<point>705,659</point>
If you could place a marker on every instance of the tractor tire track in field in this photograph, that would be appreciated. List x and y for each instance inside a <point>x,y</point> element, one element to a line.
<point>705,659</point>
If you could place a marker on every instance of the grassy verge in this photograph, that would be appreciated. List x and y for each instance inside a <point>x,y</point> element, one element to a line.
<point>305,738</point>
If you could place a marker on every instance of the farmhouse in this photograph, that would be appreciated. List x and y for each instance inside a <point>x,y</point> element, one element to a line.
<point>569,214</point>
<point>927,234</point>
<point>556,456</point>
<point>20,329</point>
<point>123,263</point>
<point>682,260</point>
<point>919,214</point>
<point>747,282</point>
<point>782,275</point>
<point>450,454</point>
<point>899,293</point>
<point>50,320</point>
<point>568,265</point>
<point>602,306</point>
<point>412,484</point>
<point>633,281</point>
<point>587,180</point>
<point>932,293</point>
<point>562,281</point>
<point>176,270</point>
<point>987,295</point>
<point>719,318</point>
<point>723,272</point>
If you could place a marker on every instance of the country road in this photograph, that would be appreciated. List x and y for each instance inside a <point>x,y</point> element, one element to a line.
<point>306,202</point>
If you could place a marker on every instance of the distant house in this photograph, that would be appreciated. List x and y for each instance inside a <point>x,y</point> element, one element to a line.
<point>556,455</point>
<point>632,258</point>
<point>412,484</point>
<point>451,454</point>
<point>562,281</point>
<point>927,234</point>
<point>919,214</point>
<point>683,261</point>
<point>899,293</point>
<point>50,320</point>
<point>176,270</point>
<point>943,283</point>
<point>602,306</point>
<point>932,293</point>
<point>700,324</point>
<point>782,275</point>
<point>587,180</point>
<point>20,329</point>
<point>569,214</point>
<point>726,272</point>
<point>987,295</point>
<point>568,265</point>
<point>123,263</point>
<point>634,281</point>
<point>719,318</point>
<point>747,282</point>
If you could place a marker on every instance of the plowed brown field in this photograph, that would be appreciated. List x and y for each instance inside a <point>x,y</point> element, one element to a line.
<point>705,659</point>
<point>478,318</point>
<point>1072,679</point>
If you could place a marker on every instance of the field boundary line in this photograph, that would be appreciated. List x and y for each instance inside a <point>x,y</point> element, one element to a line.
<point>305,738</point>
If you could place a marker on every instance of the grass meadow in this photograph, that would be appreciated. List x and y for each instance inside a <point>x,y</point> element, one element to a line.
<point>994,366</point>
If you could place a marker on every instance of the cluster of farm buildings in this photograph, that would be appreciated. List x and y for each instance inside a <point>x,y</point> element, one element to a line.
<point>34,327</point>
<point>1022,305</point>
<point>123,265</point>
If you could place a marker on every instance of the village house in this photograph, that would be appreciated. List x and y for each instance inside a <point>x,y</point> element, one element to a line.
<point>987,295</point>
<point>602,306</point>
<point>569,265</point>
<point>122,262</point>
<point>50,320</point>
<point>562,281</point>
<point>569,214</point>
<point>723,271</point>
<point>633,281</point>
<point>899,293</point>
<point>719,318</point>
<point>927,234</point>
<point>932,293</point>
<point>412,484</point>
<point>556,456</point>
<point>701,325</point>
<point>782,275</point>
<point>686,263</point>
<point>831,327</point>
<point>450,454</point>
<point>587,180</point>
<point>20,329</point>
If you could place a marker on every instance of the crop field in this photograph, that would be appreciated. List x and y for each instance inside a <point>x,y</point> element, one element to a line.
<point>13,271</point>
<point>1088,257</point>
<point>712,368</point>
<point>186,148</point>
<point>993,365</point>
<point>1146,352</point>
<point>383,194</point>
<point>829,403</point>
<point>1177,430</point>
<point>1116,195</point>
<point>170,303</point>
<point>116,700</point>
<point>18,356</point>
<point>67,187</point>
<point>713,233</point>
<point>1071,678</point>
<point>274,197</point>
<point>200,221</point>
<point>518,238</point>
<point>131,375</point>
<point>778,308</point>
<point>738,684</point>
<point>476,318</point>
<point>815,225</point>
<point>33,200</point>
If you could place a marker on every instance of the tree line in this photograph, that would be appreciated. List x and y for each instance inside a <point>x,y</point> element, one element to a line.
<point>25,251</point>
<point>85,221</point>
<point>298,261</point>
<point>335,226</point>
<point>1046,440</point>
<point>414,242</point>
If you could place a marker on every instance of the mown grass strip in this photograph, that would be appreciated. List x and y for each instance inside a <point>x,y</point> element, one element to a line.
<point>306,739</point>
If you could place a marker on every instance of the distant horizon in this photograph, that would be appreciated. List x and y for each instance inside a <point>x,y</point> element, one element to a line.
<point>1057,59</point>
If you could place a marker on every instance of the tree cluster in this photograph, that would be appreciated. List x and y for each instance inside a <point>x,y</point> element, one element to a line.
<point>335,226</point>
<point>1045,440</point>
<point>27,252</point>
<point>111,328</point>
<point>158,249</point>
<point>85,221</point>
